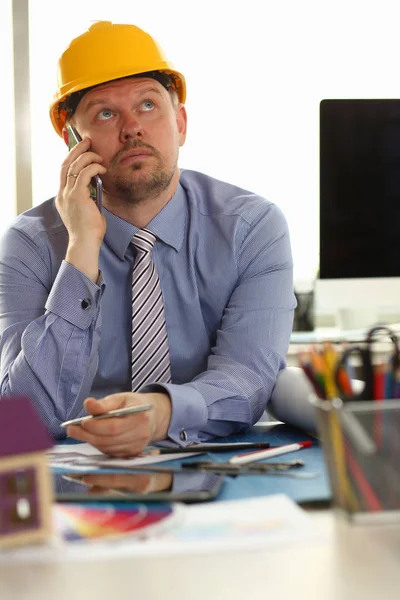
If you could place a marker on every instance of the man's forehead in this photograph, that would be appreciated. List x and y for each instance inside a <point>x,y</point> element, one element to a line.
<point>134,83</point>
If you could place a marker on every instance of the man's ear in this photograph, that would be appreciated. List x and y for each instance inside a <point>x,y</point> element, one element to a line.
<point>182,123</point>
<point>65,135</point>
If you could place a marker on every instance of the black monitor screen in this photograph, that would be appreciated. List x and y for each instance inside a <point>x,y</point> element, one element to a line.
<point>359,188</point>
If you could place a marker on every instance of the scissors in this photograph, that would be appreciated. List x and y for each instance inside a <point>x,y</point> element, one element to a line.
<point>365,355</point>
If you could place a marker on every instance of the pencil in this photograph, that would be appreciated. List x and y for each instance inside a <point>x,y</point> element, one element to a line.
<point>379,383</point>
<point>305,363</point>
<point>223,447</point>
<point>344,381</point>
<point>344,494</point>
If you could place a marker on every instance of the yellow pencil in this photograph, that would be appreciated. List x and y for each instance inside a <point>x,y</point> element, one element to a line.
<point>321,366</point>
<point>346,496</point>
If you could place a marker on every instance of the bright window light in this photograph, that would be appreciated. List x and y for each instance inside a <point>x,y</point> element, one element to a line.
<point>7,149</point>
<point>256,72</point>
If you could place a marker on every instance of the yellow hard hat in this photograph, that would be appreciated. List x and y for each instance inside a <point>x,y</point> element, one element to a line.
<point>108,51</point>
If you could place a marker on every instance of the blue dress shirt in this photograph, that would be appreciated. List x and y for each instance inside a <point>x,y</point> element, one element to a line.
<point>224,261</point>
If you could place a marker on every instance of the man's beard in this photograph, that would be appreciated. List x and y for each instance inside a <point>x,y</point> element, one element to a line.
<point>150,185</point>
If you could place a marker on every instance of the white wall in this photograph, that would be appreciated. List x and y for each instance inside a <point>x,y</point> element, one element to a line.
<point>7,148</point>
<point>256,71</point>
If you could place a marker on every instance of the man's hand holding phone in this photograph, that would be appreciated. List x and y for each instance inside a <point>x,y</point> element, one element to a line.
<point>85,224</point>
<point>96,185</point>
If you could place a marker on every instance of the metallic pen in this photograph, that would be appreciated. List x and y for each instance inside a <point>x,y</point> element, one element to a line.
<point>118,412</point>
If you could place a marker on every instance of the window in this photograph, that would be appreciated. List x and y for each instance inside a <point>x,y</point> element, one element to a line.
<point>256,72</point>
<point>7,203</point>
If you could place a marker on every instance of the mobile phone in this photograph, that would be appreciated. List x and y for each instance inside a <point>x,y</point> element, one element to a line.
<point>96,185</point>
<point>171,485</point>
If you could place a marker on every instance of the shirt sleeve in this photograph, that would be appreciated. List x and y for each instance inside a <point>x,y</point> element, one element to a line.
<point>49,330</point>
<point>252,341</point>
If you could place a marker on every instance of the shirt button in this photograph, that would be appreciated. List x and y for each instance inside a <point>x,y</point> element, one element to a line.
<point>183,435</point>
<point>86,303</point>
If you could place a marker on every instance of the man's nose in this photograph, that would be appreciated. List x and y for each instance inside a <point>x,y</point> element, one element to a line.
<point>131,128</point>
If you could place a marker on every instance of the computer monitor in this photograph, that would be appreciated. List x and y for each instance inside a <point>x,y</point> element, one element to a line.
<point>359,221</point>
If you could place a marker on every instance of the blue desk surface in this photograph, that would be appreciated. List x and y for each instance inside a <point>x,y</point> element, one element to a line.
<point>299,490</point>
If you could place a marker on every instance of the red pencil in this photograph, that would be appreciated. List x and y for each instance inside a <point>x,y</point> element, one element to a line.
<point>379,383</point>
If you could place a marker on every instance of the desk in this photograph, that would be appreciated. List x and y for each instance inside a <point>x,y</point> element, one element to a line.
<point>352,562</point>
<point>356,563</point>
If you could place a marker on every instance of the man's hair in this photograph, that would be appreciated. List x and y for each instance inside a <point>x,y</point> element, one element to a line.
<point>167,80</point>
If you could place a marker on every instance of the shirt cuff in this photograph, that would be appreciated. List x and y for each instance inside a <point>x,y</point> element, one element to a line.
<point>189,411</point>
<point>74,297</point>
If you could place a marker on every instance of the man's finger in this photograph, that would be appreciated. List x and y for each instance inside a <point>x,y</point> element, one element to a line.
<point>72,155</point>
<point>97,407</point>
<point>112,402</point>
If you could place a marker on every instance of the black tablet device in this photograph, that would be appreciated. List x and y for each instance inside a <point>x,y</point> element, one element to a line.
<point>136,486</point>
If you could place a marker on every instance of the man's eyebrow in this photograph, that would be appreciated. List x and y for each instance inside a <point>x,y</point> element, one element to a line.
<point>97,101</point>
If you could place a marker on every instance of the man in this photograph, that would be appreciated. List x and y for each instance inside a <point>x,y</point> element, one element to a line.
<point>216,331</point>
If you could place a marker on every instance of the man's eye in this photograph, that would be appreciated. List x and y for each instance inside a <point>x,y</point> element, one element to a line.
<point>105,114</point>
<point>148,105</point>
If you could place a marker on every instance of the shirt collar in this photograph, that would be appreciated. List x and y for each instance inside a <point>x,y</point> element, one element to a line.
<point>168,225</point>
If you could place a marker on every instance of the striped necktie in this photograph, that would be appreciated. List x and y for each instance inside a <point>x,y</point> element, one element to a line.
<point>150,355</point>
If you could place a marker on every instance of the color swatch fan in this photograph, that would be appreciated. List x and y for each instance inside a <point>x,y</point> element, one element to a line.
<point>74,522</point>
